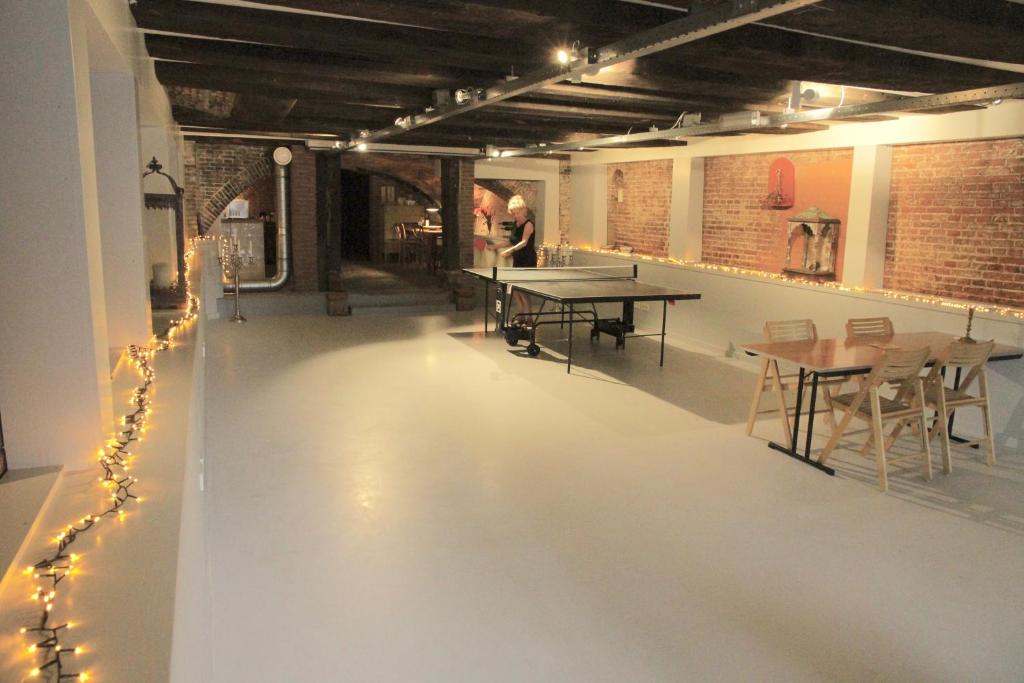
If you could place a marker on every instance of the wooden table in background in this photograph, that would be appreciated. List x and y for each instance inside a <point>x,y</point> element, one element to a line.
<point>853,356</point>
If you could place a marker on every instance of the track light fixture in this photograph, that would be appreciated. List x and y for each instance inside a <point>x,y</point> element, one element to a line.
<point>404,122</point>
<point>463,95</point>
<point>492,151</point>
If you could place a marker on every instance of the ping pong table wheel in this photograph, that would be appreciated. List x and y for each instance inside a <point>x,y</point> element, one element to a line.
<point>511,338</point>
<point>533,350</point>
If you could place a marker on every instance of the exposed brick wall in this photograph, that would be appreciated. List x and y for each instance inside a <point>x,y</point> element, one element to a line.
<point>467,172</point>
<point>641,219</point>
<point>956,221</point>
<point>260,197</point>
<point>216,173</point>
<point>303,219</point>
<point>738,231</point>
<point>564,200</point>
<point>419,172</point>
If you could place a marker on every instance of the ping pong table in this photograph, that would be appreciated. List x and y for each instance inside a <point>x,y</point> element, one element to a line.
<point>576,292</point>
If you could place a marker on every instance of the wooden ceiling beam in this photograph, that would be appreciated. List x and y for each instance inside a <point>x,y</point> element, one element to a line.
<point>288,86</point>
<point>345,36</point>
<point>310,63</point>
<point>979,29</point>
<point>787,56</point>
<point>500,19</point>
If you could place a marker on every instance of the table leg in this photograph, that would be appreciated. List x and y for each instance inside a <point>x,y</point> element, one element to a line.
<point>810,415</point>
<point>572,313</point>
<point>664,314</point>
<point>487,313</point>
<point>792,450</point>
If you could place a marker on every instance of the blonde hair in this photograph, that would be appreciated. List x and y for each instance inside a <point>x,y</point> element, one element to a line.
<point>516,202</point>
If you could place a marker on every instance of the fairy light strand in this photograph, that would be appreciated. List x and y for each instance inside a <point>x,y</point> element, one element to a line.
<point>909,297</point>
<point>53,654</point>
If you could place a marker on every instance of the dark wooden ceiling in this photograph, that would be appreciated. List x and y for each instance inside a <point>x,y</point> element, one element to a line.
<point>335,67</point>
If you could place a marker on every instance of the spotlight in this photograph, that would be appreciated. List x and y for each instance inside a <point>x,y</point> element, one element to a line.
<point>562,56</point>
<point>364,133</point>
<point>492,151</point>
<point>463,95</point>
<point>361,147</point>
<point>404,122</point>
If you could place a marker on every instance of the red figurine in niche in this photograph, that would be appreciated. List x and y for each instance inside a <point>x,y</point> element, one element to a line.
<point>781,185</point>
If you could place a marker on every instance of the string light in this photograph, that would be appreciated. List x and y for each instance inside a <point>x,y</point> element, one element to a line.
<point>113,459</point>
<point>990,309</point>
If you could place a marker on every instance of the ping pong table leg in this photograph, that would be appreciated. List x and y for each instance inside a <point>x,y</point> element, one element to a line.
<point>664,313</point>
<point>572,313</point>
<point>487,313</point>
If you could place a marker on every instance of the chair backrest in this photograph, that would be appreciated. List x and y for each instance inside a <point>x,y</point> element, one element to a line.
<point>869,327</point>
<point>971,356</point>
<point>397,231</point>
<point>411,230</point>
<point>898,365</point>
<point>790,330</point>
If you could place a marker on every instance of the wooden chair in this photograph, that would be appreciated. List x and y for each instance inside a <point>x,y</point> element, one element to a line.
<point>393,243</point>
<point>413,246</point>
<point>771,378</point>
<point>869,327</point>
<point>903,366</point>
<point>970,358</point>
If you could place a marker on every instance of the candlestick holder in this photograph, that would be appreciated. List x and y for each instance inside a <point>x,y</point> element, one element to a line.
<point>234,258</point>
<point>970,319</point>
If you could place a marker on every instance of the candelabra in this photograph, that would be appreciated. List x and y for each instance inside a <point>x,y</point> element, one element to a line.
<point>234,258</point>
<point>970,319</point>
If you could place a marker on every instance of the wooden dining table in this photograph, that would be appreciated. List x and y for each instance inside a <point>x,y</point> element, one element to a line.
<point>825,358</point>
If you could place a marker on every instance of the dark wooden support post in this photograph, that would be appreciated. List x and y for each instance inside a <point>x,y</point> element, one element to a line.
<point>457,219</point>
<point>328,221</point>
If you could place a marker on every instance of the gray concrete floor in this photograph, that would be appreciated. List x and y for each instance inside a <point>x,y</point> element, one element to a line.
<point>403,499</point>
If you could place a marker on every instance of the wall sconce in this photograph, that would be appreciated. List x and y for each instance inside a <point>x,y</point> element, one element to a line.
<point>619,185</point>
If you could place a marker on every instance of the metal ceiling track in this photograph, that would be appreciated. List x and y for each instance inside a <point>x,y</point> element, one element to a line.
<point>754,121</point>
<point>710,21</point>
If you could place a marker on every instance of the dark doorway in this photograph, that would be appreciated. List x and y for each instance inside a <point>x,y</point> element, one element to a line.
<point>355,216</point>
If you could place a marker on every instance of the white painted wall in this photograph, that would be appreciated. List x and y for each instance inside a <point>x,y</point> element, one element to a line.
<point>544,171</point>
<point>868,216</point>
<point>589,201</point>
<point>53,269</point>
<point>119,185</point>
<point>53,340</point>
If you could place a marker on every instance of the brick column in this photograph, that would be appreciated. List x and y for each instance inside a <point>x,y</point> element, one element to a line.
<point>457,217</point>
<point>303,220</point>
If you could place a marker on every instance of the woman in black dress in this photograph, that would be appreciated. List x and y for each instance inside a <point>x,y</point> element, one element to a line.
<point>522,249</point>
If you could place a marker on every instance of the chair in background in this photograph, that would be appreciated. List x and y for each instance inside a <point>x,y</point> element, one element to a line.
<point>903,366</point>
<point>413,247</point>
<point>964,357</point>
<point>393,243</point>
<point>771,378</point>
<point>869,327</point>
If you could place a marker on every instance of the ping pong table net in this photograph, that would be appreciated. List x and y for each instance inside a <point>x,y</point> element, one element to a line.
<point>565,274</point>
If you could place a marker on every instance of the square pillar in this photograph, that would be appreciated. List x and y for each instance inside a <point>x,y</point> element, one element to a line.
<point>119,188</point>
<point>55,394</point>
<point>589,201</point>
<point>686,217</point>
<point>868,216</point>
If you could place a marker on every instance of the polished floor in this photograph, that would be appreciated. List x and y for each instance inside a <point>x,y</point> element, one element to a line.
<point>402,499</point>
